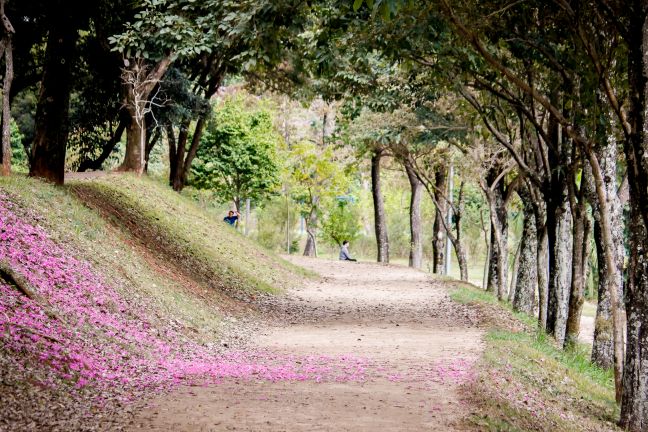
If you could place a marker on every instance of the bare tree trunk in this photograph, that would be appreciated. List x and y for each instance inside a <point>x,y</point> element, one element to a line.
<point>135,143</point>
<point>576,295</point>
<point>603,346</point>
<point>514,271</point>
<point>416,244</point>
<point>177,159</point>
<point>560,254</point>
<point>438,232</point>
<point>139,82</point>
<point>380,220</point>
<point>457,241</point>
<point>109,146</point>
<point>543,277</point>
<point>171,140</point>
<point>6,92</point>
<point>634,406</point>
<point>310,249</point>
<point>151,141</point>
<point>498,258</point>
<point>181,173</point>
<point>527,271</point>
<point>52,119</point>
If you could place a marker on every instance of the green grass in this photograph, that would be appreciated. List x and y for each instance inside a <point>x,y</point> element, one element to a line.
<point>189,234</point>
<point>589,309</point>
<point>526,383</point>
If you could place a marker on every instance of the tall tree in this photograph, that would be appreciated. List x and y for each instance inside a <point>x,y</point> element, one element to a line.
<point>52,123</point>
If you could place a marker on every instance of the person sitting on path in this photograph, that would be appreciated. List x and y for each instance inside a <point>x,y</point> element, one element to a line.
<point>344,252</point>
<point>231,217</point>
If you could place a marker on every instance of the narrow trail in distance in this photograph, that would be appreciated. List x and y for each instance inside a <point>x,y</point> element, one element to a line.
<point>416,347</point>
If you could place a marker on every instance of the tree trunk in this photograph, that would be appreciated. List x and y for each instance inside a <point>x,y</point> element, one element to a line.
<point>603,346</point>
<point>416,244</point>
<point>139,82</point>
<point>109,146</point>
<point>543,276</point>
<point>135,143</point>
<point>178,157</point>
<point>514,272</point>
<point>380,221</point>
<point>438,232</point>
<point>151,141</point>
<point>457,240</point>
<point>527,272</point>
<point>173,152</point>
<point>52,111</point>
<point>576,295</point>
<point>6,105</point>
<point>178,176</point>
<point>498,258</point>
<point>559,232</point>
<point>634,406</point>
<point>310,249</point>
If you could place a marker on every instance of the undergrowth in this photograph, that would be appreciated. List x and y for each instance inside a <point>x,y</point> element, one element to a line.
<point>526,383</point>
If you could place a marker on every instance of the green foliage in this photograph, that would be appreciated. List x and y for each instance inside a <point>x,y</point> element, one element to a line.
<point>271,222</point>
<point>317,176</point>
<point>19,159</point>
<point>341,223</point>
<point>237,158</point>
<point>165,26</point>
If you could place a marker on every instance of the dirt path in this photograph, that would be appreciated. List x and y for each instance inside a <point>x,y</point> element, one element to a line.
<point>415,345</point>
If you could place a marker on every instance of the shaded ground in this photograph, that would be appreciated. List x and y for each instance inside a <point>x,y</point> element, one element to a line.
<point>415,345</point>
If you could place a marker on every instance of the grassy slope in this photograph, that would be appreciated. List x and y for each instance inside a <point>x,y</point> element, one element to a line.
<point>181,270</point>
<point>146,272</point>
<point>527,384</point>
<point>176,228</point>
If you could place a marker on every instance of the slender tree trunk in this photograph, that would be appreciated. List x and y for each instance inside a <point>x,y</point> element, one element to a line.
<point>380,221</point>
<point>310,249</point>
<point>183,164</point>
<point>543,277</point>
<point>559,233</point>
<point>173,152</point>
<point>576,295</point>
<point>514,272</point>
<point>416,244</point>
<point>438,232</point>
<point>527,271</point>
<point>6,104</point>
<point>498,258</point>
<point>109,146</point>
<point>603,346</point>
<point>52,119</point>
<point>151,141</point>
<point>180,146</point>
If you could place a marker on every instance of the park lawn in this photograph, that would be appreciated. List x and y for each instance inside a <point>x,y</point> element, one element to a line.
<point>525,383</point>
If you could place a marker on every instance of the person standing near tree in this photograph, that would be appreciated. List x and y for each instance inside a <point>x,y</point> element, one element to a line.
<point>344,252</point>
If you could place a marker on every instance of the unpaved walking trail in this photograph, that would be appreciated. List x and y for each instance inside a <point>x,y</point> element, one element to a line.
<point>417,345</point>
